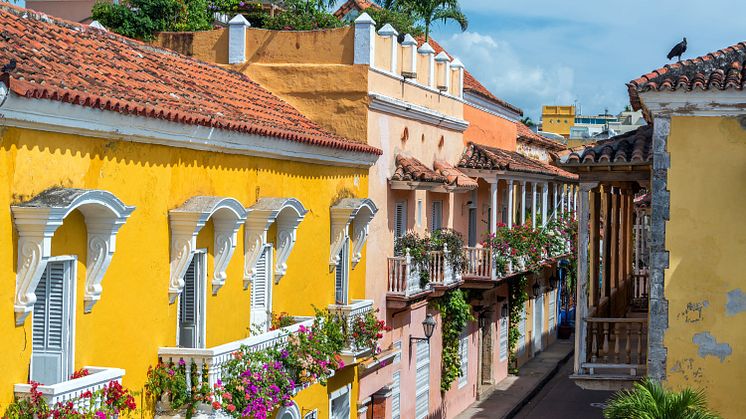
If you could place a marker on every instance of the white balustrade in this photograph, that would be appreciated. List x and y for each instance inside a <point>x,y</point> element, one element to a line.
<point>478,262</point>
<point>73,390</point>
<point>350,314</point>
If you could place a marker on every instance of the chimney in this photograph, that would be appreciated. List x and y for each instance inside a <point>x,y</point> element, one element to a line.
<point>237,39</point>
<point>365,40</point>
<point>392,34</point>
<point>429,52</point>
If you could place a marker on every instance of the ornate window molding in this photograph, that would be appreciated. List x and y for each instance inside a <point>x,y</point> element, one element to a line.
<point>358,212</point>
<point>288,213</point>
<point>186,222</point>
<point>38,219</point>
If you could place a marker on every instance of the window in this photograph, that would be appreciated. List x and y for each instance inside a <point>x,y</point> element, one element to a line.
<point>422,381</point>
<point>53,323</point>
<point>503,338</point>
<point>400,219</point>
<point>552,310</point>
<point>192,304</point>
<point>261,291</point>
<point>395,396</point>
<point>419,213</point>
<point>397,347</point>
<point>463,350</point>
<point>339,404</point>
<point>340,275</point>
<point>436,222</point>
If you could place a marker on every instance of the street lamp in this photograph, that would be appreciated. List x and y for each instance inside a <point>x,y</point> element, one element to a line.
<point>428,325</point>
<point>536,288</point>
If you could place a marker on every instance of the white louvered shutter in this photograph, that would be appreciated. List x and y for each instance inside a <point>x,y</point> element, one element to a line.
<point>552,311</point>
<point>396,396</point>
<point>503,338</point>
<point>341,406</point>
<point>189,309</point>
<point>340,276</point>
<point>261,291</point>
<point>522,331</point>
<point>463,350</point>
<point>422,385</point>
<point>437,216</point>
<point>52,325</point>
<point>400,219</point>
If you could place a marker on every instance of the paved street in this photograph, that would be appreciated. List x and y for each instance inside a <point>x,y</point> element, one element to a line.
<point>562,399</point>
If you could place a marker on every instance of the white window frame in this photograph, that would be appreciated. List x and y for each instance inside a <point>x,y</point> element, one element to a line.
<point>293,410</point>
<point>202,296</point>
<point>437,214</point>
<point>463,350</point>
<point>344,264</point>
<point>314,414</point>
<point>339,393</point>
<point>72,261</point>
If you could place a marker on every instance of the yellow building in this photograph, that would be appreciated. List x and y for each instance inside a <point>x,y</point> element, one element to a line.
<point>558,119</point>
<point>675,308</point>
<point>154,206</point>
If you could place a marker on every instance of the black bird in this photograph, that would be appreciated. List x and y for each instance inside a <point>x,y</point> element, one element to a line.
<point>678,50</point>
<point>7,68</point>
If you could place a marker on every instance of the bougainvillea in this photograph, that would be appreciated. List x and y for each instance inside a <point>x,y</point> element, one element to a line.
<point>367,330</point>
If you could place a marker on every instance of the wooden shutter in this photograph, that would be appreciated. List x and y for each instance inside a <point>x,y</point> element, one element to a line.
<point>436,222</point>
<point>340,276</point>
<point>189,305</point>
<point>463,350</point>
<point>52,323</point>
<point>400,219</point>
<point>261,291</point>
<point>422,382</point>
<point>396,396</point>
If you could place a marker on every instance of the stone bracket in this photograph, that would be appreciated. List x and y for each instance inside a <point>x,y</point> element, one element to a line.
<point>359,213</point>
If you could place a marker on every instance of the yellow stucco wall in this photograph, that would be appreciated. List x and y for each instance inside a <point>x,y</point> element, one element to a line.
<point>558,119</point>
<point>134,318</point>
<point>706,237</point>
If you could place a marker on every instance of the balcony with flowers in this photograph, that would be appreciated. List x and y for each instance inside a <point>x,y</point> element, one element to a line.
<point>255,376</point>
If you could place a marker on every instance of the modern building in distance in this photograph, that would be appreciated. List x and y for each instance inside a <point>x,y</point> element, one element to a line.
<point>584,129</point>
<point>558,119</point>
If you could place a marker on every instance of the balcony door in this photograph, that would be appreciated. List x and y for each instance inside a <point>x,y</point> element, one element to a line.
<point>341,275</point>
<point>192,303</point>
<point>53,323</point>
<point>261,292</point>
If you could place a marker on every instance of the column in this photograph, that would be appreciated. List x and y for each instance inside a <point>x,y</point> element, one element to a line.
<point>595,246</point>
<point>574,200</point>
<point>614,256</point>
<point>533,204</point>
<point>606,276</point>
<point>562,198</point>
<point>556,199</point>
<point>544,202</point>
<point>523,202</point>
<point>629,200</point>
<point>493,203</point>
<point>511,210</point>
<point>581,307</point>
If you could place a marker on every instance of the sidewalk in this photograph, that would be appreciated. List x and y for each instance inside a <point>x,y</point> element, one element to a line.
<point>507,397</point>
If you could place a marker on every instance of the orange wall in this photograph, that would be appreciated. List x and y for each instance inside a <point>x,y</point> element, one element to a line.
<point>488,129</point>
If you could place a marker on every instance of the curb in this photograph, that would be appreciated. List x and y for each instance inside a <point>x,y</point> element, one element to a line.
<point>531,394</point>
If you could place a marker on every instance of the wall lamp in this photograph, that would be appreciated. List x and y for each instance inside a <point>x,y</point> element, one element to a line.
<point>536,289</point>
<point>429,327</point>
<point>504,310</point>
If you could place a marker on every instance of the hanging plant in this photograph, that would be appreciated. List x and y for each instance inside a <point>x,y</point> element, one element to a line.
<point>455,314</point>
<point>517,296</point>
<point>454,241</point>
<point>418,252</point>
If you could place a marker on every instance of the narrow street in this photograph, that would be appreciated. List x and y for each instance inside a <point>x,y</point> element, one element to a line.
<point>562,399</point>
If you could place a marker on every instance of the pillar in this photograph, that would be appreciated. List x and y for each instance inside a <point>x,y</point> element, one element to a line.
<point>523,202</point>
<point>511,210</point>
<point>595,246</point>
<point>544,202</point>
<point>581,307</point>
<point>607,248</point>
<point>493,204</point>
<point>533,204</point>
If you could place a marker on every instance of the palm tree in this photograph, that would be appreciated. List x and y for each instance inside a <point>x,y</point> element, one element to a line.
<point>649,400</point>
<point>527,121</point>
<point>429,11</point>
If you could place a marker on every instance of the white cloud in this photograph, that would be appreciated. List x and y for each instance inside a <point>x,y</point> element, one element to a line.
<point>497,65</point>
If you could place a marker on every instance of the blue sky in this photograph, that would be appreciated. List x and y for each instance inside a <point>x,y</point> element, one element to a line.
<point>535,52</point>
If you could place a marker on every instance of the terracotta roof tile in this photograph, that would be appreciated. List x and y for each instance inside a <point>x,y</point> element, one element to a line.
<point>719,70</point>
<point>454,177</point>
<point>411,169</point>
<point>349,5</point>
<point>483,157</point>
<point>72,63</point>
<point>633,147</point>
<point>527,135</point>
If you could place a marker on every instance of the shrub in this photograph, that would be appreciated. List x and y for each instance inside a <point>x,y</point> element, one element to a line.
<point>649,400</point>
<point>141,19</point>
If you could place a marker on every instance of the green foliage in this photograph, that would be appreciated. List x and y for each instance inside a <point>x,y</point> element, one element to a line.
<point>170,378</point>
<point>418,248</point>
<point>141,19</point>
<point>402,22</point>
<point>303,15</point>
<point>517,296</point>
<point>455,313</point>
<point>649,400</point>
<point>429,11</point>
<point>455,243</point>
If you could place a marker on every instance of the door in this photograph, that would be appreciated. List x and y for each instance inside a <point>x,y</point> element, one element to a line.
<point>341,273</point>
<point>192,303</point>
<point>52,323</point>
<point>538,322</point>
<point>261,292</point>
<point>422,385</point>
<point>436,221</point>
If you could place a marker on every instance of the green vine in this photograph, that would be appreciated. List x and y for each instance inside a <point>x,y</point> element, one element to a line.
<point>516,298</point>
<point>455,313</point>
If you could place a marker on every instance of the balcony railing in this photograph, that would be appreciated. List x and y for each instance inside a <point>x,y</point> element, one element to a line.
<point>404,276</point>
<point>478,262</point>
<point>214,359</point>
<point>73,390</point>
<point>350,314</point>
<point>616,345</point>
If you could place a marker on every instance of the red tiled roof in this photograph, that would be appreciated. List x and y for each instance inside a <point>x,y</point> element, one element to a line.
<point>719,70</point>
<point>526,134</point>
<point>349,5</point>
<point>471,84</point>
<point>483,157</point>
<point>631,148</point>
<point>454,177</point>
<point>411,169</point>
<point>72,63</point>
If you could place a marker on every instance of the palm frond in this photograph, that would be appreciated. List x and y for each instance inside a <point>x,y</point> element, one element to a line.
<point>445,14</point>
<point>650,400</point>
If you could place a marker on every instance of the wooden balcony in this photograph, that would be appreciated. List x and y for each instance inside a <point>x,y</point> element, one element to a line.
<point>73,390</point>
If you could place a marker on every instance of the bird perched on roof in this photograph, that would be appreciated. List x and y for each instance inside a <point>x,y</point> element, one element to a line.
<point>678,50</point>
<point>7,68</point>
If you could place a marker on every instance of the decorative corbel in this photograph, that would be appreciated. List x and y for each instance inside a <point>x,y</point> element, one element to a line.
<point>226,233</point>
<point>356,211</point>
<point>184,230</point>
<point>255,237</point>
<point>102,241</point>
